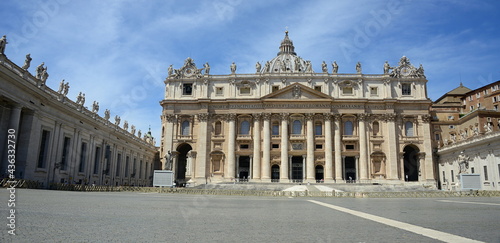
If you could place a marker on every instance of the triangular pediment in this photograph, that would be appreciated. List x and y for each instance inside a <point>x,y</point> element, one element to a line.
<point>297,91</point>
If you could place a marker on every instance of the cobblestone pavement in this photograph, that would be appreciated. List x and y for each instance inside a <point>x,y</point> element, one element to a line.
<point>62,216</point>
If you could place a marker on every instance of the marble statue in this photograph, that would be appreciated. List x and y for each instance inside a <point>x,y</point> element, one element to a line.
<point>420,71</point>
<point>27,62</point>
<point>257,67</point>
<point>335,67</point>
<point>139,133</point>
<point>132,130</point>
<point>267,67</point>
<point>117,120</point>
<point>476,131</point>
<point>95,107</point>
<point>298,66</point>
<point>463,162</point>
<point>106,114</point>
<point>82,101</point>
<point>487,127</point>
<point>386,67</point>
<point>39,70</point>
<point>3,43</point>
<point>233,68</point>
<point>170,70</point>
<point>358,67</point>
<point>207,68</point>
<point>66,89</point>
<point>308,66</point>
<point>324,67</point>
<point>44,76</point>
<point>61,87</point>
<point>125,125</point>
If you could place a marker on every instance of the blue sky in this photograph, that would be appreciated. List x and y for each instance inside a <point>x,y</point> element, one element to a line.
<point>118,52</point>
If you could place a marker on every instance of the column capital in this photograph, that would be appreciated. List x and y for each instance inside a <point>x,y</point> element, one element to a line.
<point>231,117</point>
<point>169,117</point>
<point>309,116</point>
<point>266,116</point>
<point>203,117</point>
<point>337,117</point>
<point>426,118</point>
<point>327,117</point>
<point>363,116</point>
<point>284,116</point>
<point>257,116</point>
<point>391,117</point>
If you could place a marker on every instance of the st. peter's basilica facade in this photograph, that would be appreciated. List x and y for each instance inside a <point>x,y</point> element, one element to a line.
<point>287,123</point>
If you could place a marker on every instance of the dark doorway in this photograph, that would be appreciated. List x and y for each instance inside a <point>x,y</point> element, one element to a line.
<point>319,173</point>
<point>180,171</point>
<point>411,163</point>
<point>350,169</point>
<point>244,167</point>
<point>275,173</point>
<point>297,169</point>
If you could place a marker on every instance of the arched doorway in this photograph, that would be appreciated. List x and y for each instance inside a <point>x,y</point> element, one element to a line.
<point>411,164</point>
<point>275,173</point>
<point>180,167</point>
<point>319,173</point>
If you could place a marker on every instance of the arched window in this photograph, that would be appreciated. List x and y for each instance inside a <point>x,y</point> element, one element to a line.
<point>375,128</point>
<point>297,127</point>
<point>318,129</point>
<point>276,128</point>
<point>245,128</point>
<point>218,128</point>
<point>185,128</point>
<point>409,129</point>
<point>348,129</point>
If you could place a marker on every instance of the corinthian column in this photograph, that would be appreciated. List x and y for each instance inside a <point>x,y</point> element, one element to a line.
<point>338,149</point>
<point>310,147</point>
<point>284,148</point>
<point>266,153</point>
<point>256,147</point>
<point>427,160</point>
<point>392,156</point>
<point>229,174</point>
<point>328,148</point>
<point>202,147</point>
<point>363,147</point>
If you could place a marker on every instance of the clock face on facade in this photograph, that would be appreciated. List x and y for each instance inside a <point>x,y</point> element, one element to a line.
<point>405,71</point>
<point>188,72</point>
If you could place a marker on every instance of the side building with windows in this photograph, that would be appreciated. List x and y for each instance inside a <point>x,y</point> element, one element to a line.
<point>61,141</point>
<point>287,123</point>
<point>466,136</point>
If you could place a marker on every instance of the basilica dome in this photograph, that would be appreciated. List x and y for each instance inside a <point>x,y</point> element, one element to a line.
<point>287,60</point>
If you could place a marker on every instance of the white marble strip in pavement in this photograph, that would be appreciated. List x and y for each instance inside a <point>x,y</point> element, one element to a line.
<point>438,235</point>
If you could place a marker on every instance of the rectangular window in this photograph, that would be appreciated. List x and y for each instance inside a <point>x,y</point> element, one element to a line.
<point>118,164</point>
<point>478,95</point>
<point>471,107</point>
<point>107,159</point>
<point>134,167</point>
<point>437,136</point>
<point>471,98</point>
<point>275,146</point>
<point>317,88</point>
<point>406,89</point>
<point>65,153</point>
<point>83,157</point>
<point>349,147</point>
<point>140,169</point>
<point>187,89</point>
<point>472,170</point>
<point>319,146</point>
<point>373,91</point>
<point>485,172</point>
<point>444,176</point>
<point>495,107</point>
<point>97,159</point>
<point>452,176</point>
<point>318,129</point>
<point>244,146</point>
<point>347,90</point>
<point>275,129</point>
<point>44,149</point>
<point>219,91</point>
<point>499,170</point>
<point>275,88</point>
<point>494,99</point>
<point>245,90</point>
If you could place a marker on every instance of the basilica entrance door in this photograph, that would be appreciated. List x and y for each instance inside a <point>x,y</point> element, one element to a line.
<point>350,169</point>
<point>244,167</point>
<point>297,169</point>
<point>275,173</point>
